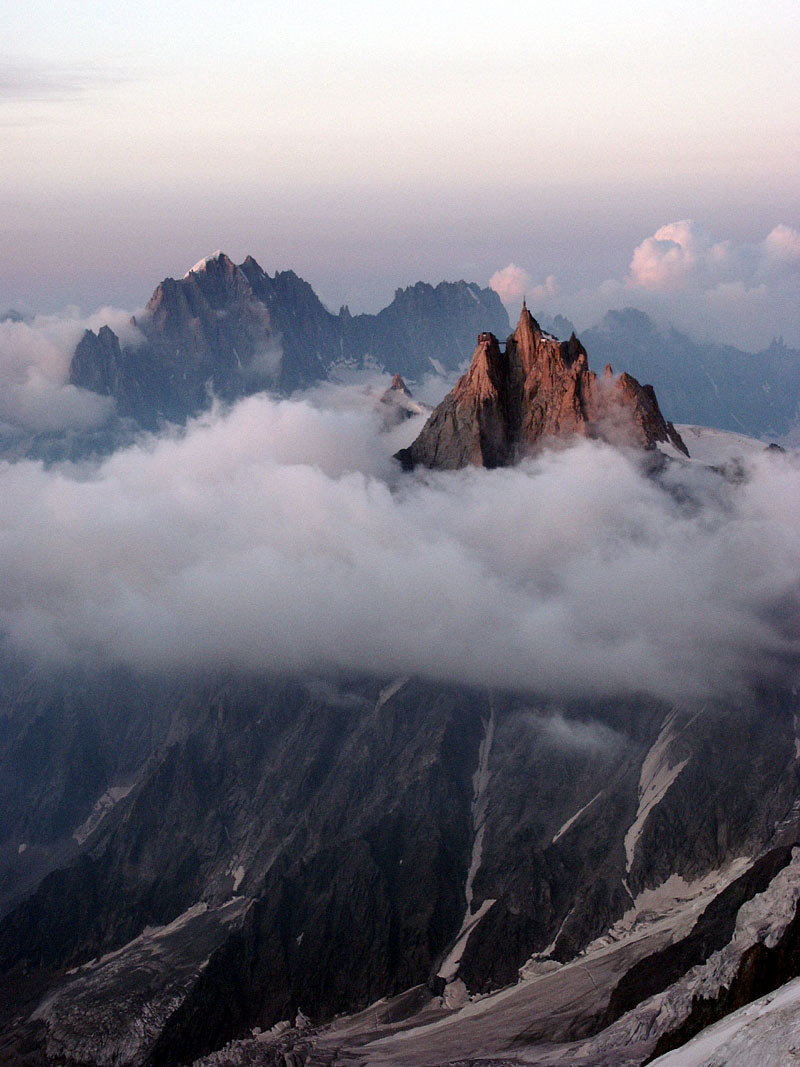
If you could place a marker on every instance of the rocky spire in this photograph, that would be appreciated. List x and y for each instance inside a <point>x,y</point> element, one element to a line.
<point>540,389</point>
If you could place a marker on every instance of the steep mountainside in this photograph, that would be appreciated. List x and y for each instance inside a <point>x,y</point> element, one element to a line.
<point>266,846</point>
<point>235,330</point>
<point>225,868</point>
<point>537,390</point>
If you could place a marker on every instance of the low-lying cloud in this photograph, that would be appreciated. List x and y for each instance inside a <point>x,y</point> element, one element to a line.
<point>589,737</point>
<point>35,354</point>
<point>280,535</point>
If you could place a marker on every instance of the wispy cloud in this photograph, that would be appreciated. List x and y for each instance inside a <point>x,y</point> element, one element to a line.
<point>30,80</point>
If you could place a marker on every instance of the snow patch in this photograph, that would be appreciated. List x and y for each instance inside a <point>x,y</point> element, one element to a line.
<point>766,1032</point>
<point>480,803</point>
<point>676,901</point>
<point>102,807</point>
<point>711,446</point>
<point>390,690</point>
<point>574,818</point>
<point>541,962</point>
<point>449,968</point>
<point>763,919</point>
<point>657,777</point>
<point>202,264</point>
<point>238,877</point>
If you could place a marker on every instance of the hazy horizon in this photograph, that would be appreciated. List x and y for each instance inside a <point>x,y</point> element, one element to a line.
<point>368,148</point>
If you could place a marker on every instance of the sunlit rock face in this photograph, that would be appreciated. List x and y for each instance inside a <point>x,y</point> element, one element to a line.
<point>539,389</point>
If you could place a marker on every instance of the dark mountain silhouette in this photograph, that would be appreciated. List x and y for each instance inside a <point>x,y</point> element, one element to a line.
<point>231,330</point>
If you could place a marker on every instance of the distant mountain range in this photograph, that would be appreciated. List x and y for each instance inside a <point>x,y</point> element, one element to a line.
<point>227,330</point>
<point>699,382</point>
<point>234,330</point>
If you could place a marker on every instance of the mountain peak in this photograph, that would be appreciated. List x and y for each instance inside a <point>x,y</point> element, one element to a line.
<point>526,332</point>
<point>510,403</point>
<point>251,263</point>
<point>217,258</point>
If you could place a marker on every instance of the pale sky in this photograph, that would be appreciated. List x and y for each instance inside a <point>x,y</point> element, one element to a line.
<point>367,145</point>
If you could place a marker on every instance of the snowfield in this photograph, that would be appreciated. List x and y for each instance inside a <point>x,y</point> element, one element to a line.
<point>765,1033</point>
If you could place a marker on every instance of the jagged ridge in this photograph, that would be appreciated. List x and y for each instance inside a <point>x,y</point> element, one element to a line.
<point>234,330</point>
<point>539,388</point>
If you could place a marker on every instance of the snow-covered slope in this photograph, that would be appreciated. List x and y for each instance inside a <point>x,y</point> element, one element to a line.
<point>765,1033</point>
<point>713,447</point>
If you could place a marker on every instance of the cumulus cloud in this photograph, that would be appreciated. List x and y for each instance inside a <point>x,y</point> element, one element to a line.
<point>512,284</point>
<point>280,535</point>
<point>741,293</point>
<point>35,394</point>
<point>683,255</point>
<point>781,246</point>
<point>674,254</point>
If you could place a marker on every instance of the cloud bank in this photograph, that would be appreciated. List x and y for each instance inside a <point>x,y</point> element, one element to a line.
<point>281,536</point>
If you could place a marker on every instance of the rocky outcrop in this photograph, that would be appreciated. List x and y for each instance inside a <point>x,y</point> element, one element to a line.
<point>97,363</point>
<point>205,333</point>
<point>762,969</point>
<point>231,330</point>
<point>397,404</point>
<point>712,931</point>
<point>344,814</point>
<point>538,390</point>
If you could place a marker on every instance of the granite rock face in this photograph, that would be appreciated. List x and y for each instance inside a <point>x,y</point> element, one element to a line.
<point>539,389</point>
<point>208,332</point>
<point>426,328</point>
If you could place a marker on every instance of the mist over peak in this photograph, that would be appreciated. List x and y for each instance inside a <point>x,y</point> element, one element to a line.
<point>280,535</point>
